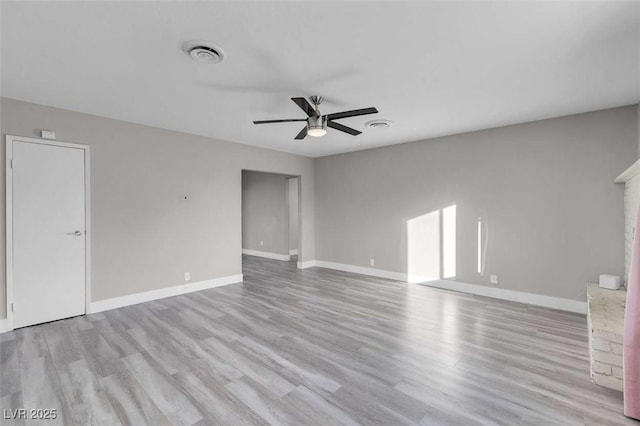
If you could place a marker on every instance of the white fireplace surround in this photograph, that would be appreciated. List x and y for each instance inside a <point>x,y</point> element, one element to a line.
<point>631,179</point>
<point>605,313</point>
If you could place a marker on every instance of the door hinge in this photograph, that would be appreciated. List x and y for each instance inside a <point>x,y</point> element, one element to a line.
<point>11,163</point>
<point>12,307</point>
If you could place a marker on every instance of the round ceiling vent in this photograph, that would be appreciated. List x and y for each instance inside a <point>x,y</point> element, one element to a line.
<point>379,124</point>
<point>203,51</point>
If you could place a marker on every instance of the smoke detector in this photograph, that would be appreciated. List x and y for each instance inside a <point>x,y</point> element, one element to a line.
<point>203,51</point>
<point>379,124</point>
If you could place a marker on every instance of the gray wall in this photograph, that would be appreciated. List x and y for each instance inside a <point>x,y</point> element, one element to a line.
<point>546,189</point>
<point>292,201</point>
<point>145,235</point>
<point>555,217</point>
<point>264,212</point>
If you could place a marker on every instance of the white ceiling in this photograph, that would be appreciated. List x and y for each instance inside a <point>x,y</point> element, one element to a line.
<point>433,68</point>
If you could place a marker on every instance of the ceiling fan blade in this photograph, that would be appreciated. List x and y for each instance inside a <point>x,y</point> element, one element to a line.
<point>302,134</point>
<point>278,121</point>
<point>305,106</point>
<point>352,113</point>
<point>342,128</point>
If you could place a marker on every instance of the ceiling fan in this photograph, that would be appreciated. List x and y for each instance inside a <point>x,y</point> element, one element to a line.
<point>317,123</point>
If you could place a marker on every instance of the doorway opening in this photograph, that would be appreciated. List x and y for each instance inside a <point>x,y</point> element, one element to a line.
<point>271,220</point>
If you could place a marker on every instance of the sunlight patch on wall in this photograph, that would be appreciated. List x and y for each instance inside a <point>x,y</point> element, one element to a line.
<point>423,247</point>
<point>449,242</point>
<point>431,245</point>
<point>480,245</point>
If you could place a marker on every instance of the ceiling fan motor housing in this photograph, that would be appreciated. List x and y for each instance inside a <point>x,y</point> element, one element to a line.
<point>317,126</point>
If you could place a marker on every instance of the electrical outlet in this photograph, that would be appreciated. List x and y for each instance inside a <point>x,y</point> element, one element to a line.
<point>372,262</point>
<point>187,276</point>
<point>493,279</point>
<point>261,243</point>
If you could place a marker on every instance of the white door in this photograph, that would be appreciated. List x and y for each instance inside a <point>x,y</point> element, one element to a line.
<point>48,210</point>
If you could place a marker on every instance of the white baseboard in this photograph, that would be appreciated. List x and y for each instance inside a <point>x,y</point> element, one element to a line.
<point>268,255</point>
<point>4,325</point>
<point>380,273</point>
<point>293,252</point>
<point>569,305</point>
<point>480,290</point>
<point>307,264</point>
<point>146,296</point>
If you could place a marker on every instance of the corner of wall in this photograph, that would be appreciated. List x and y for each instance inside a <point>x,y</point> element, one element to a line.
<point>638,126</point>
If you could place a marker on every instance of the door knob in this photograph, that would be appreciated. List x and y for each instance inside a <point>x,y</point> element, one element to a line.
<point>76,233</point>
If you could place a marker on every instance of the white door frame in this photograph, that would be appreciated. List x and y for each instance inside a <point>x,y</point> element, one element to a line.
<point>9,218</point>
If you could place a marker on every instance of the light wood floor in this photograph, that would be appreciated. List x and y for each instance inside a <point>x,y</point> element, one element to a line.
<point>305,348</point>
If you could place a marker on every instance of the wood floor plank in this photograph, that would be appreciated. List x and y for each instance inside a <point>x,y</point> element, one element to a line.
<point>169,399</point>
<point>9,404</point>
<point>215,401</point>
<point>249,367</point>
<point>130,402</point>
<point>317,406</point>
<point>266,404</point>
<point>84,396</point>
<point>42,389</point>
<point>317,378</point>
<point>9,368</point>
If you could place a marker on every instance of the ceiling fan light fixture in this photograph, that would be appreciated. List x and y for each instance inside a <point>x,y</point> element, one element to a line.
<point>316,132</point>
